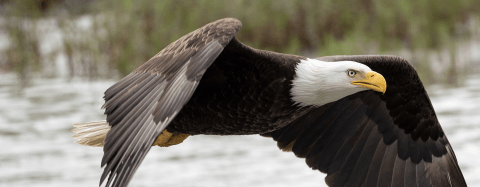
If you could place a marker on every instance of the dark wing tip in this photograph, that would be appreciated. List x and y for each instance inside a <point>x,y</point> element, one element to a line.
<point>396,140</point>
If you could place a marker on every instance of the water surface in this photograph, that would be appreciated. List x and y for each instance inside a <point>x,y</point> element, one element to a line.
<point>37,148</point>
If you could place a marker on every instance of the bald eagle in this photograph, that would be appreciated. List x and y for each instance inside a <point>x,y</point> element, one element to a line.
<point>336,112</point>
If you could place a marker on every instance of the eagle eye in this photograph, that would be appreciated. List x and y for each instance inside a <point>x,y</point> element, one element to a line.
<point>351,73</point>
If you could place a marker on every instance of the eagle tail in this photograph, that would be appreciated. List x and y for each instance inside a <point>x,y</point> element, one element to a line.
<point>91,133</point>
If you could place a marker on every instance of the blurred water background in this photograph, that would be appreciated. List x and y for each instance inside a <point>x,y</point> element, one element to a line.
<point>57,57</point>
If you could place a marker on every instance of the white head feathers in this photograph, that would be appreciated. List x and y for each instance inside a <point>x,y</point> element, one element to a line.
<point>318,82</point>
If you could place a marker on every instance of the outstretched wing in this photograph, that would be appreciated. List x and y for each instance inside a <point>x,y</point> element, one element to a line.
<point>142,104</point>
<point>370,139</point>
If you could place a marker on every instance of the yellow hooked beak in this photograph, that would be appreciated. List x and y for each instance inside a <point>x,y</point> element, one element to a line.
<point>374,81</point>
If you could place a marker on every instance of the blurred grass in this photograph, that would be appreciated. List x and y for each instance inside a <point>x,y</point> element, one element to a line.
<point>126,33</point>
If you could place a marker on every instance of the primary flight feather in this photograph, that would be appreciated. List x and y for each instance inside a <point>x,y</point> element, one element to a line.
<point>363,120</point>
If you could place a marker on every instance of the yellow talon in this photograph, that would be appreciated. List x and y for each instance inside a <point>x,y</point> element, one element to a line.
<point>167,139</point>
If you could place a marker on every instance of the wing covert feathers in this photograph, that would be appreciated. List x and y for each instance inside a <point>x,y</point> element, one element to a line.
<point>141,105</point>
<point>370,139</point>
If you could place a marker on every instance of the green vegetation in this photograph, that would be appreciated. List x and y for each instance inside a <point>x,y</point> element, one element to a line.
<point>126,33</point>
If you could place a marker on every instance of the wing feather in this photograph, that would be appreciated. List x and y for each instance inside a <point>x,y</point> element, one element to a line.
<point>344,167</point>
<point>141,105</point>
<point>360,171</point>
<point>386,168</point>
<point>370,139</point>
<point>410,173</point>
<point>332,144</point>
<point>374,168</point>
<point>398,173</point>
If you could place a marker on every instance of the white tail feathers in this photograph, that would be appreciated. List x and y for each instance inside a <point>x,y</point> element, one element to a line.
<point>91,133</point>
